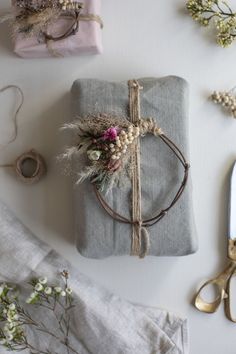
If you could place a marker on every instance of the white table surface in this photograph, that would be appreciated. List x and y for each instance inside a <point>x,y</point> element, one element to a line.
<point>141,38</point>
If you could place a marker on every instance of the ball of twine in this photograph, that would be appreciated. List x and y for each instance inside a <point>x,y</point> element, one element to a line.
<point>34,158</point>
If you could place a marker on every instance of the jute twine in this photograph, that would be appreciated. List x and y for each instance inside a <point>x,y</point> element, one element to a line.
<point>36,160</point>
<point>140,238</point>
<point>140,235</point>
<point>32,157</point>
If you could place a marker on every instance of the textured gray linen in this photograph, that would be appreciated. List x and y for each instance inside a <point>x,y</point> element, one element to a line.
<point>98,235</point>
<point>102,322</point>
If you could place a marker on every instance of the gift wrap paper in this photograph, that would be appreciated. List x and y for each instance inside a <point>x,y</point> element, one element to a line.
<point>97,234</point>
<point>88,40</point>
<point>101,322</point>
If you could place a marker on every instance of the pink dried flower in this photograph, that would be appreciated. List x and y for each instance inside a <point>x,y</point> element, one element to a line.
<point>110,133</point>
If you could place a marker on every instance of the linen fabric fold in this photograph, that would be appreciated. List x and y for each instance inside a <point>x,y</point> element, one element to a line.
<point>102,322</point>
<point>166,101</point>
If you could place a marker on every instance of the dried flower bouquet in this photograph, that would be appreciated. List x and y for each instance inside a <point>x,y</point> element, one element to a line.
<point>106,142</point>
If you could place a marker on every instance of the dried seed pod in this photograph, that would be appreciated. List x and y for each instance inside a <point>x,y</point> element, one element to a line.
<point>225,99</point>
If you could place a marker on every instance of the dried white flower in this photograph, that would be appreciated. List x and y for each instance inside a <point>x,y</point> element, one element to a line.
<point>31,298</point>
<point>12,307</point>
<point>58,289</point>
<point>43,280</point>
<point>94,155</point>
<point>48,290</point>
<point>69,291</point>
<point>63,293</point>
<point>38,287</point>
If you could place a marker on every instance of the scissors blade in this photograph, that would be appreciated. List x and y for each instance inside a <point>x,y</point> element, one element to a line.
<point>232,205</point>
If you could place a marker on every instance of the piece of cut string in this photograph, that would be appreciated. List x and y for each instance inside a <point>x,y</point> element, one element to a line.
<point>32,155</point>
<point>15,133</point>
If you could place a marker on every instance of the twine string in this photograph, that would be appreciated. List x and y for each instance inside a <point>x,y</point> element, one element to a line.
<point>137,229</point>
<point>32,155</point>
<point>15,117</point>
<point>140,240</point>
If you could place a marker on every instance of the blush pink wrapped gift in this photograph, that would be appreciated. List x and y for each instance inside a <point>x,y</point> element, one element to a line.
<point>68,27</point>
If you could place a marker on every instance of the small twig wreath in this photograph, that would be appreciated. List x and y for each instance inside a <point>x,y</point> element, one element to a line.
<point>73,29</point>
<point>148,126</point>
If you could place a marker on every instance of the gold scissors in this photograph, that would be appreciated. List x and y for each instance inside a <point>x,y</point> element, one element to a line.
<point>222,283</point>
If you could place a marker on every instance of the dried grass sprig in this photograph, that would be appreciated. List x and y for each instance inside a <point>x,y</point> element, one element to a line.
<point>34,23</point>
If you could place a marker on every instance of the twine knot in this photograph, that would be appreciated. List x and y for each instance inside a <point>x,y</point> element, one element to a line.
<point>149,126</point>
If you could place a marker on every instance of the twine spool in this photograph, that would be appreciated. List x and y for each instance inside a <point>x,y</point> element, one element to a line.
<point>30,167</point>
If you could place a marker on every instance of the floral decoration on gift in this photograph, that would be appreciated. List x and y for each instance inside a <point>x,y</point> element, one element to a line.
<point>33,17</point>
<point>21,317</point>
<point>218,13</point>
<point>104,144</point>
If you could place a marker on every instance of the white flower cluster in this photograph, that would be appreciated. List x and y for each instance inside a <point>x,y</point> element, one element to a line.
<point>41,287</point>
<point>226,99</point>
<point>70,5</point>
<point>9,314</point>
<point>123,140</point>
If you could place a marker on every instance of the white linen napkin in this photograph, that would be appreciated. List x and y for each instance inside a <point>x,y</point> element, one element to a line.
<point>102,323</point>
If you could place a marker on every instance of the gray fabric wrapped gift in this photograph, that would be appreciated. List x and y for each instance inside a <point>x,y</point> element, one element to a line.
<point>102,323</point>
<point>165,100</point>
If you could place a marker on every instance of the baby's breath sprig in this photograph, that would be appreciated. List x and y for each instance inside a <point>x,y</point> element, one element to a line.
<point>16,317</point>
<point>218,12</point>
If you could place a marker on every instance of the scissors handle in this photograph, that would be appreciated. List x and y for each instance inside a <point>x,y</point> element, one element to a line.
<point>220,285</point>
<point>228,311</point>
